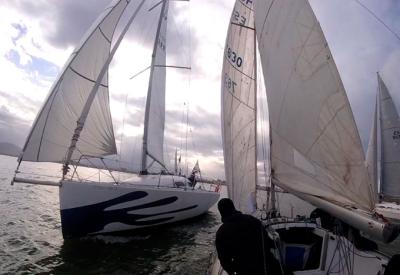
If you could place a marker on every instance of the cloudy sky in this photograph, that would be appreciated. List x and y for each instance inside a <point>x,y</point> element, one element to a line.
<point>37,37</point>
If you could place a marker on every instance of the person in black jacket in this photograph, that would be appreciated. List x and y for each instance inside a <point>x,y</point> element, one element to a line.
<point>243,245</point>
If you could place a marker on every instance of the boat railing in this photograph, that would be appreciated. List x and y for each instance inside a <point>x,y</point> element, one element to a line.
<point>90,164</point>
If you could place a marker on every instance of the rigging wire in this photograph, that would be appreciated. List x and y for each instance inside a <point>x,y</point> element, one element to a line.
<point>143,39</point>
<point>173,28</point>
<point>378,19</point>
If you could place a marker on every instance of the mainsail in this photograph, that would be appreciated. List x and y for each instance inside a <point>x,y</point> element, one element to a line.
<point>239,106</point>
<point>54,126</point>
<point>316,149</point>
<point>390,144</point>
<point>153,138</point>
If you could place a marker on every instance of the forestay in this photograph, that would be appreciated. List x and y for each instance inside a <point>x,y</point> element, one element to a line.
<point>390,141</point>
<point>316,149</point>
<point>54,126</point>
<point>372,155</point>
<point>155,106</point>
<point>239,106</point>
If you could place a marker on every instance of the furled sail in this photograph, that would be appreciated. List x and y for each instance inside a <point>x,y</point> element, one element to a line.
<point>155,106</point>
<point>54,126</point>
<point>390,144</point>
<point>316,149</point>
<point>239,106</point>
<point>372,156</point>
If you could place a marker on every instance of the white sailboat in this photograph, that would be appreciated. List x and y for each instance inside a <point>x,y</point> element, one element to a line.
<point>315,149</point>
<point>384,164</point>
<point>75,122</point>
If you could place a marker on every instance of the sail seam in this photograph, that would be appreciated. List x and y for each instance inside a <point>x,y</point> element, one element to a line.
<point>104,35</point>
<point>314,177</point>
<point>45,123</point>
<point>265,20</point>
<point>241,102</point>
<point>243,4</point>
<point>243,26</point>
<point>285,91</point>
<point>243,128</point>
<point>229,61</point>
<point>88,79</point>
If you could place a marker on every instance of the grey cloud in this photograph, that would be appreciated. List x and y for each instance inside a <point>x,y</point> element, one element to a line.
<point>65,22</point>
<point>24,102</point>
<point>205,132</point>
<point>12,128</point>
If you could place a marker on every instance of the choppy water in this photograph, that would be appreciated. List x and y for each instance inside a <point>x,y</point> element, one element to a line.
<point>31,240</point>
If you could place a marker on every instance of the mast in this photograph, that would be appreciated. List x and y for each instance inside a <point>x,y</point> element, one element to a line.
<point>372,153</point>
<point>255,115</point>
<point>273,195</point>
<point>380,152</point>
<point>147,111</point>
<point>176,162</point>
<point>85,111</point>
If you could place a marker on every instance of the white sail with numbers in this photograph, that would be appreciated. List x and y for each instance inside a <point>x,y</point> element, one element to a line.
<point>390,144</point>
<point>315,146</point>
<point>153,148</point>
<point>54,126</point>
<point>239,106</point>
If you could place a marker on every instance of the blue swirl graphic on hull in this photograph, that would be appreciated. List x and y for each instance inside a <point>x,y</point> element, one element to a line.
<point>80,221</point>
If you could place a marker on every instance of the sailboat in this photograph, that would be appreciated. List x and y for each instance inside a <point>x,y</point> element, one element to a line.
<point>75,123</point>
<point>385,135</point>
<point>315,149</point>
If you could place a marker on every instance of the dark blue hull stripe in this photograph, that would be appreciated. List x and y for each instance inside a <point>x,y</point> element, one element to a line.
<point>80,221</point>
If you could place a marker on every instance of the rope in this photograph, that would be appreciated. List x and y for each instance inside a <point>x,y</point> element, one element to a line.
<point>280,257</point>
<point>263,250</point>
<point>377,18</point>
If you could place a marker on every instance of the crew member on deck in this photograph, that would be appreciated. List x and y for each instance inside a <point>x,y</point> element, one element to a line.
<point>243,246</point>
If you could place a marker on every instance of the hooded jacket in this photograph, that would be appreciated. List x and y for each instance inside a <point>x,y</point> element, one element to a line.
<point>242,243</point>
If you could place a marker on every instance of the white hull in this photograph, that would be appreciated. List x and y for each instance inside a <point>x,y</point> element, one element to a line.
<point>92,208</point>
<point>337,256</point>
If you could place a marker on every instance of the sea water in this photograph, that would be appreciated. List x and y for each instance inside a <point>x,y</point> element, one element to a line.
<point>31,241</point>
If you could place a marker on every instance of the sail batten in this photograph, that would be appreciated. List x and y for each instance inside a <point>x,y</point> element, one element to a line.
<point>54,126</point>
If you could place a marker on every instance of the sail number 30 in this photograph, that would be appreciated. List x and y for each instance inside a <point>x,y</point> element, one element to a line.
<point>234,58</point>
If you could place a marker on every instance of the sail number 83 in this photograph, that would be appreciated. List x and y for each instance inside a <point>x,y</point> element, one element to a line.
<point>234,58</point>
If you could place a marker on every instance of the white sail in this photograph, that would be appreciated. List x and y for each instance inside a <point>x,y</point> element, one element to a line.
<point>316,149</point>
<point>155,105</point>
<point>372,156</point>
<point>390,144</point>
<point>54,126</point>
<point>239,106</point>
